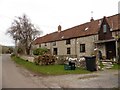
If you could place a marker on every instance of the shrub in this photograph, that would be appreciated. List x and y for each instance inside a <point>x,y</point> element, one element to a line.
<point>40,51</point>
<point>12,55</point>
<point>19,50</point>
<point>45,59</point>
<point>101,65</point>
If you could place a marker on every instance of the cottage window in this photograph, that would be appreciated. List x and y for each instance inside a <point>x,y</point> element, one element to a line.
<point>68,41</point>
<point>54,43</point>
<point>45,44</point>
<point>39,45</point>
<point>104,28</point>
<point>68,51</point>
<point>82,47</point>
<point>55,51</point>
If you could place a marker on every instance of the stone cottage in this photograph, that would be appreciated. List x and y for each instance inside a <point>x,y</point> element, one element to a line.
<point>81,40</point>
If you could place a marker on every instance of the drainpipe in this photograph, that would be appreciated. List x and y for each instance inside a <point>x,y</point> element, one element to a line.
<point>51,48</point>
<point>76,46</point>
<point>116,49</point>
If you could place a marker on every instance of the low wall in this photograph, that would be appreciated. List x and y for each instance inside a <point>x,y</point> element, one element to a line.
<point>60,58</point>
<point>29,58</point>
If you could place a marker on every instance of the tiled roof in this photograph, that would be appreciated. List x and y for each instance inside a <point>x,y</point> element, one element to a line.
<point>89,28</point>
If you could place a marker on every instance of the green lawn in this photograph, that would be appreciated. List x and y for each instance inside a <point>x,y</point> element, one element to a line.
<point>116,66</point>
<point>48,69</point>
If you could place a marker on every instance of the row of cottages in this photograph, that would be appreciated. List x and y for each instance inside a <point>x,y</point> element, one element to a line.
<point>81,40</point>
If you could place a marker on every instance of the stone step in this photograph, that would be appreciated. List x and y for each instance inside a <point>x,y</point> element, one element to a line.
<point>107,64</point>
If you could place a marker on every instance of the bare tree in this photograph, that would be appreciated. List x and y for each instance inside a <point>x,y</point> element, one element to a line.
<point>23,32</point>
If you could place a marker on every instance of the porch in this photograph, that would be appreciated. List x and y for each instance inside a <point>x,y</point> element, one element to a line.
<point>109,48</point>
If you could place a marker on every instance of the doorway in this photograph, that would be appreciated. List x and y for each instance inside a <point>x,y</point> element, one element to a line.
<point>110,50</point>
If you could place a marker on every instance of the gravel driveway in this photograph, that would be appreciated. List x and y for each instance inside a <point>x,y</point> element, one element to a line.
<point>15,76</point>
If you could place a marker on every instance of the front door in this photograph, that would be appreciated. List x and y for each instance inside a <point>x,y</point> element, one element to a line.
<point>110,50</point>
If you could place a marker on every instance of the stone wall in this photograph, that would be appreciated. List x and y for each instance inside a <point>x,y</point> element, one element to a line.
<point>75,46</point>
<point>61,46</point>
<point>102,48</point>
<point>89,45</point>
<point>27,58</point>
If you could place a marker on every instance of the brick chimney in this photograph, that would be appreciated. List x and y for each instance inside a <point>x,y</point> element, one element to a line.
<point>91,19</point>
<point>59,28</point>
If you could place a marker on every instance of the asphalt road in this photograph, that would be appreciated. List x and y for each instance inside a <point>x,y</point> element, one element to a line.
<point>14,76</point>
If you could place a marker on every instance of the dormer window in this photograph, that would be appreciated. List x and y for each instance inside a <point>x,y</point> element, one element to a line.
<point>104,28</point>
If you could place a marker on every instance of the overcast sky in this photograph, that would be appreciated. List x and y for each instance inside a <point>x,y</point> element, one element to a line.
<point>48,14</point>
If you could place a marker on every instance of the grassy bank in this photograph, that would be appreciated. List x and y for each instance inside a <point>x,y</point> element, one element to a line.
<point>48,69</point>
<point>116,66</point>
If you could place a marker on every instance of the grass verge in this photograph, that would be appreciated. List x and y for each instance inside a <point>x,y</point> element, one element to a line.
<point>116,66</point>
<point>47,69</point>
